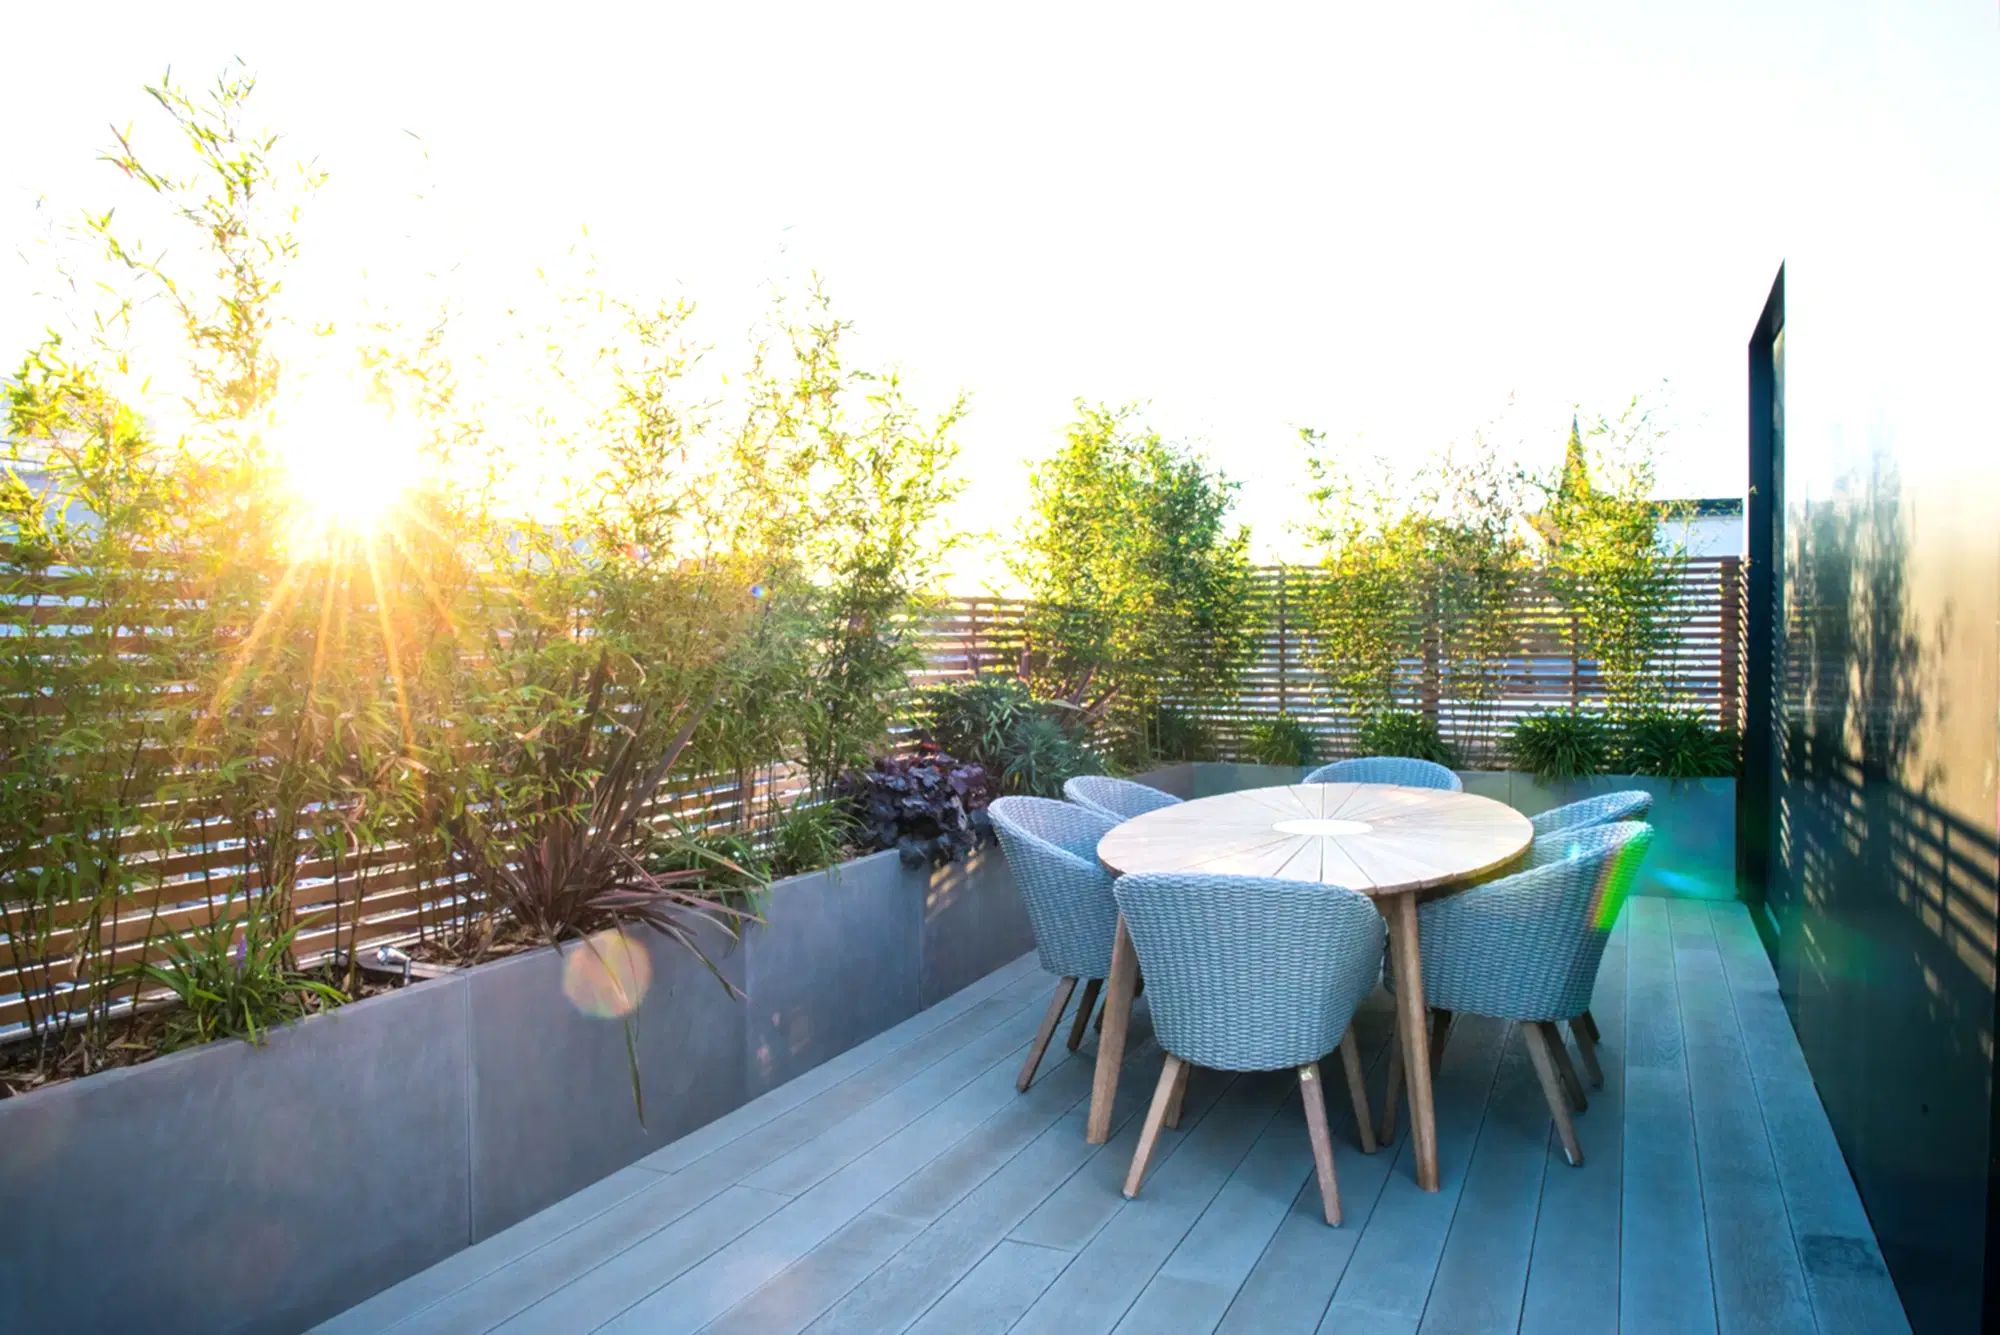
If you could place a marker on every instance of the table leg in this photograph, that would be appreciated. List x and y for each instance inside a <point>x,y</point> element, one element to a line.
<point>1416,1038</point>
<point>1111,1042</point>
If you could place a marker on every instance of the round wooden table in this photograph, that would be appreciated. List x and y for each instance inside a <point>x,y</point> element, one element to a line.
<point>1386,841</point>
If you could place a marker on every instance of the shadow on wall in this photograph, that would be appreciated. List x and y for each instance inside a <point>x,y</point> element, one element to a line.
<point>1883,876</point>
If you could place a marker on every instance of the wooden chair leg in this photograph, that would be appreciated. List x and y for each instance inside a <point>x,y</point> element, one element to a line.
<point>1057,1004</point>
<point>1559,1053</point>
<point>1350,1065</point>
<point>1552,1090</point>
<point>1156,1115</point>
<point>1083,1013</point>
<point>1590,1023</point>
<point>1392,1097</point>
<point>1179,1098</point>
<point>1586,1052</point>
<point>1314,1098</point>
<point>1393,1100</point>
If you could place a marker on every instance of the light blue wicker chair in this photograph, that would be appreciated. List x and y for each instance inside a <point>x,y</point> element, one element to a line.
<point>1120,799</point>
<point>1249,974</point>
<point>1630,804</point>
<point>1388,769</point>
<point>1554,844</point>
<point>1526,948</point>
<point>1051,849</point>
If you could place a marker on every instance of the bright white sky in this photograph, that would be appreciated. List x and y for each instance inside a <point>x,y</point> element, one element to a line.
<point>1378,219</point>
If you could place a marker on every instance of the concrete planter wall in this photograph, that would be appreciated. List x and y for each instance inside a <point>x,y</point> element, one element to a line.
<point>1694,849</point>
<point>240,1189</point>
<point>1693,820</point>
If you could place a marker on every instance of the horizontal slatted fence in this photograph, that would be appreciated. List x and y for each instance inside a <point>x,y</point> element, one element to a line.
<point>1545,668</point>
<point>962,637</point>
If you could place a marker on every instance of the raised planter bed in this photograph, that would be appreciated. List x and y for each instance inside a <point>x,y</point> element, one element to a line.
<point>238,1189</point>
<point>1694,850</point>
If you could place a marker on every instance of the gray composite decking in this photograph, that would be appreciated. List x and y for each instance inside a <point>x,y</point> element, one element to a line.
<point>905,1186</point>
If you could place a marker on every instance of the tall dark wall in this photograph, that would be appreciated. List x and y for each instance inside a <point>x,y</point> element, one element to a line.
<point>1881,876</point>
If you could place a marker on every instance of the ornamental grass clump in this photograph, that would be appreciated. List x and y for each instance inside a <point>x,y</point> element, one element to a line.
<point>1561,744</point>
<point>1173,736</point>
<point>1403,733</point>
<point>726,864</point>
<point>1681,744</point>
<point>811,835</point>
<point>1283,740</point>
<point>234,978</point>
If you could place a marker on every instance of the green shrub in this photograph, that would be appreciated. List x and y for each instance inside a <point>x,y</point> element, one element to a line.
<point>995,722</point>
<point>1282,741</point>
<point>810,836</point>
<point>1561,744</point>
<point>1041,757</point>
<point>976,719</point>
<point>1678,745</point>
<point>1401,733</point>
<point>1177,735</point>
<point>1138,579</point>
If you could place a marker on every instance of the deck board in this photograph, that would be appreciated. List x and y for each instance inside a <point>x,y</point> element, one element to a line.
<point>1759,1286</point>
<point>1483,1271</point>
<point>1200,1279</point>
<point>896,1295</point>
<point>1663,1257</point>
<point>1846,1278</point>
<point>1388,1281</point>
<point>1287,1291</point>
<point>905,1187</point>
<point>950,1101</point>
<point>1093,1294</point>
<point>1573,1273</point>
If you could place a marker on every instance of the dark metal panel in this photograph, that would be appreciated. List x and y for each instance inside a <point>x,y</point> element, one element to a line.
<point>1882,862</point>
<point>1763,522</point>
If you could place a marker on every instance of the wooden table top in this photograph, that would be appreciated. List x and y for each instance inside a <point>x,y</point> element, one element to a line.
<point>1378,838</point>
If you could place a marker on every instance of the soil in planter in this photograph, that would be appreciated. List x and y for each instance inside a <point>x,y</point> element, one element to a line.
<point>136,1040</point>
<point>491,940</point>
<point>475,945</point>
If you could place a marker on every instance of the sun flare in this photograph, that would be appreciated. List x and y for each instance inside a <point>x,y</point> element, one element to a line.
<point>347,466</point>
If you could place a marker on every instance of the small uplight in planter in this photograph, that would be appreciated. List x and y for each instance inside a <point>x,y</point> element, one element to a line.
<point>607,974</point>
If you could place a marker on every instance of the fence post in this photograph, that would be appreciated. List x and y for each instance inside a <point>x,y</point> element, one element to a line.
<point>1732,643</point>
<point>1575,666</point>
<point>972,636</point>
<point>1428,684</point>
<point>1284,662</point>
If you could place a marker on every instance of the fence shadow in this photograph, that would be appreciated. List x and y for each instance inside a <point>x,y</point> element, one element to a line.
<point>1883,882</point>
